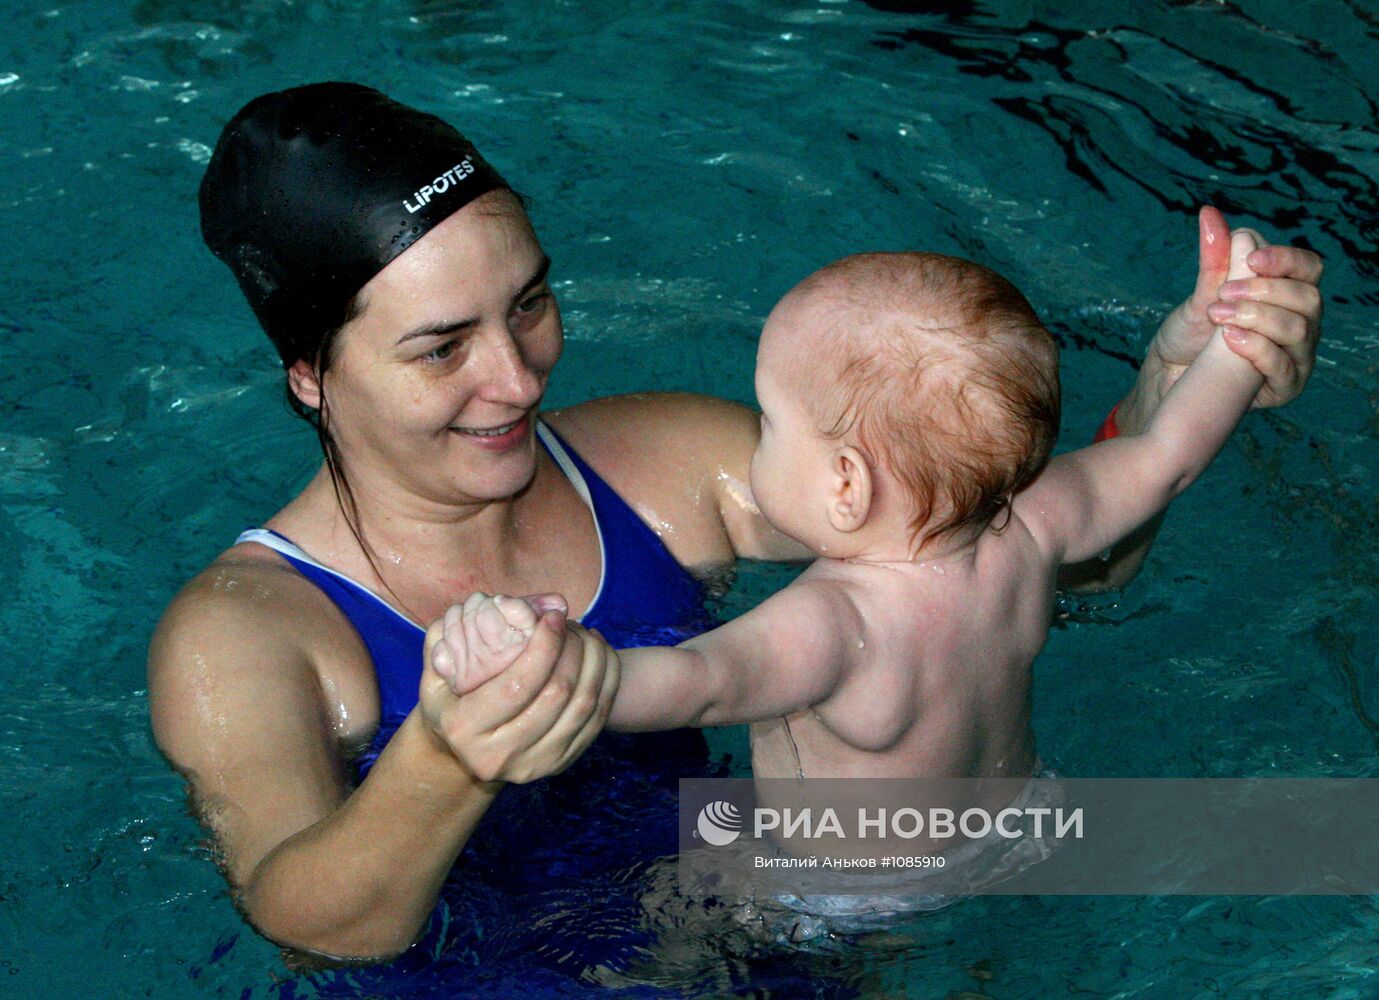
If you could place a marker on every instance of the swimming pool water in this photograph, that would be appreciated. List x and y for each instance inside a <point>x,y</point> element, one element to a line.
<point>686,165</point>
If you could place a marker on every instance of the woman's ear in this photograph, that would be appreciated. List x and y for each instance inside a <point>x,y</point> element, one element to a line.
<point>850,491</point>
<point>302,380</point>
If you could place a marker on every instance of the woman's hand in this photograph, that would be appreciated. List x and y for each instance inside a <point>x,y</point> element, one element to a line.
<point>537,716</point>
<point>1273,320</point>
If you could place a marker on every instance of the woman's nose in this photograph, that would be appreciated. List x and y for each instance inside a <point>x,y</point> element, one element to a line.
<point>508,378</point>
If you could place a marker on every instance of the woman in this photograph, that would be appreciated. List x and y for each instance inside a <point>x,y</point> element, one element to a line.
<point>401,282</point>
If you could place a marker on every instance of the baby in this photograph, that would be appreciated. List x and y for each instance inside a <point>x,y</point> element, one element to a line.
<point>909,404</point>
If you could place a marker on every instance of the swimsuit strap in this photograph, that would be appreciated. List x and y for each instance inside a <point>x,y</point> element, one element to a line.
<point>296,555</point>
<point>395,642</point>
<point>644,590</point>
<point>573,468</point>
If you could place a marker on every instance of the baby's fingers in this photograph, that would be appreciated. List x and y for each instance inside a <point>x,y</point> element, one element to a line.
<point>519,614</point>
<point>491,625</point>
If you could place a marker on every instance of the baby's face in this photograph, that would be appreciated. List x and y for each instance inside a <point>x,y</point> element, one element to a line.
<point>790,471</point>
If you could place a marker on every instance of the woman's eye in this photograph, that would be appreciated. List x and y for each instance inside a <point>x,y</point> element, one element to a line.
<point>533,303</point>
<point>440,353</point>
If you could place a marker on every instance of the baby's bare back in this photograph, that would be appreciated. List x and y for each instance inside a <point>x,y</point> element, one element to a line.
<point>938,679</point>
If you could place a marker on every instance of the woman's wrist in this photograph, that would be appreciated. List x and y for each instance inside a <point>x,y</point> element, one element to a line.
<point>1136,410</point>
<point>437,766</point>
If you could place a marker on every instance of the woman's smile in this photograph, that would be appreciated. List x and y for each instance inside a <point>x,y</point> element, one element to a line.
<point>498,439</point>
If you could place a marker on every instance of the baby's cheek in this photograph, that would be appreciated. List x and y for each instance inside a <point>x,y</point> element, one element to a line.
<point>754,470</point>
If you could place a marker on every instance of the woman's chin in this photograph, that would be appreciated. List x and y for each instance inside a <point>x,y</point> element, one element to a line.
<point>502,479</point>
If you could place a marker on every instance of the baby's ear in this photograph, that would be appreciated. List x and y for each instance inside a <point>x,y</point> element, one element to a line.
<point>849,499</point>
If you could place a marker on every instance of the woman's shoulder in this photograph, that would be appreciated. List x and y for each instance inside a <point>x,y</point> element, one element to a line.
<point>666,452</point>
<point>250,593</point>
<point>654,417</point>
<point>249,628</point>
<point>660,441</point>
<point>245,585</point>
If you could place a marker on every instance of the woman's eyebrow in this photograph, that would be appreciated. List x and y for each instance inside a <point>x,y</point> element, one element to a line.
<point>538,276</point>
<point>457,325</point>
<point>437,329</point>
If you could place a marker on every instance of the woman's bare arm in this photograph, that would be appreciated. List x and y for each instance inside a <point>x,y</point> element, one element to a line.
<point>239,709</point>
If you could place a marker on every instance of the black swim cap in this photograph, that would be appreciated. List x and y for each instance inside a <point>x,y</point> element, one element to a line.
<point>312,191</point>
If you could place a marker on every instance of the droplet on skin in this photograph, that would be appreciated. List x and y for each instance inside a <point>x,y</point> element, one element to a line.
<point>657,523</point>
<point>739,492</point>
<point>332,693</point>
<point>861,644</point>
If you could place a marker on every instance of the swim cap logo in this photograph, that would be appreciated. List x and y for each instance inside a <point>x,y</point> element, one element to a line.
<point>440,185</point>
<point>719,823</point>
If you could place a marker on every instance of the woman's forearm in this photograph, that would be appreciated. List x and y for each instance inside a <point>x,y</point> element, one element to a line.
<point>360,883</point>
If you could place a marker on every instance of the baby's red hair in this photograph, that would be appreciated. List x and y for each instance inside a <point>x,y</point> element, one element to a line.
<point>939,371</point>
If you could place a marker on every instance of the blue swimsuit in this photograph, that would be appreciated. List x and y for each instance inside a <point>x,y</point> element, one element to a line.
<point>644,598</point>
<point>549,875</point>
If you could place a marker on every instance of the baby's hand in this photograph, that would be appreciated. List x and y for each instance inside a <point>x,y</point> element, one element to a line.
<point>482,637</point>
<point>1243,243</point>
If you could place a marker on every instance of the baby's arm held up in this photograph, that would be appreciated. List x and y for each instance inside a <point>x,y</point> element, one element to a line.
<point>1274,306</point>
<point>1088,499</point>
<point>1273,319</point>
<point>785,655</point>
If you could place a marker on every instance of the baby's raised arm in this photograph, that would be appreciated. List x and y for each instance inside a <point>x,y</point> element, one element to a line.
<point>1088,499</point>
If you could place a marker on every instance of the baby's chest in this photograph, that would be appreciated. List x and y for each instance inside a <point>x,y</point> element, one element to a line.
<point>774,753</point>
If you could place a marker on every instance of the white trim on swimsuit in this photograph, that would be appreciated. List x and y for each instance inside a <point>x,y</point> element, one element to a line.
<point>280,545</point>
<point>576,478</point>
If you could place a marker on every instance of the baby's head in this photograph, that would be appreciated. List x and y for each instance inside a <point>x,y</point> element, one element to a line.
<point>914,384</point>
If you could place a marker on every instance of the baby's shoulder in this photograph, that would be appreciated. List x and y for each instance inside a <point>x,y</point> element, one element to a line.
<point>816,597</point>
<point>834,587</point>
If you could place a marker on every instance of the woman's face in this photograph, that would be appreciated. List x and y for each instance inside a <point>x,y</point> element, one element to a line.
<point>434,387</point>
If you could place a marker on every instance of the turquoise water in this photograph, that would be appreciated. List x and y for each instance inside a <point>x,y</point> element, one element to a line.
<point>687,165</point>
